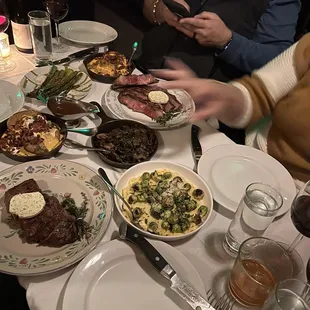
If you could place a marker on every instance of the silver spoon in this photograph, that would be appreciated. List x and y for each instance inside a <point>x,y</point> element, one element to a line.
<point>107,181</point>
<point>84,131</point>
<point>78,146</point>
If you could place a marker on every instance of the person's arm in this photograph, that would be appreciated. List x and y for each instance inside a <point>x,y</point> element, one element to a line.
<point>266,87</point>
<point>274,33</point>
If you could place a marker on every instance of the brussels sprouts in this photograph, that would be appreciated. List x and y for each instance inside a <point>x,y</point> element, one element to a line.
<point>197,219</point>
<point>185,224</point>
<point>154,176</point>
<point>168,202</point>
<point>141,198</point>
<point>137,212</point>
<point>202,211</point>
<point>150,199</point>
<point>159,190</point>
<point>176,180</point>
<point>165,225</point>
<point>173,219</point>
<point>163,184</point>
<point>167,214</point>
<point>176,228</point>
<point>167,175</point>
<point>146,176</point>
<point>136,187</point>
<point>152,227</point>
<point>198,194</point>
<point>191,205</point>
<point>132,199</point>
<point>187,187</point>
<point>156,210</point>
<point>145,184</point>
<point>182,208</point>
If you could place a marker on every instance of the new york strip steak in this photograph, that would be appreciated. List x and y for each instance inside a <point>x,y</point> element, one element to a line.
<point>136,98</point>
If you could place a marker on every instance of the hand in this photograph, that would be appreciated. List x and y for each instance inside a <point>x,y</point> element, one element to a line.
<point>176,70</point>
<point>208,28</point>
<point>165,15</point>
<point>212,98</point>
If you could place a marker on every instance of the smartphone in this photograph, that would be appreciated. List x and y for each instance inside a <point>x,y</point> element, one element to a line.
<point>177,8</point>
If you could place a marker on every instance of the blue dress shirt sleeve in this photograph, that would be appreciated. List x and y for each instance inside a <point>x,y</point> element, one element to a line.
<point>274,33</point>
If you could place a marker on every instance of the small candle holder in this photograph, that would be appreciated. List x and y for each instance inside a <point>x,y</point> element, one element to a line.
<point>5,52</point>
<point>4,45</point>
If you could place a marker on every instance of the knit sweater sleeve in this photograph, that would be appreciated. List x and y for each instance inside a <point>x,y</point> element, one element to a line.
<point>263,90</point>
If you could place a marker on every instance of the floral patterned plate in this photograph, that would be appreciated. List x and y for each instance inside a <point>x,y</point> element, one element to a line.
<point>63,179</point>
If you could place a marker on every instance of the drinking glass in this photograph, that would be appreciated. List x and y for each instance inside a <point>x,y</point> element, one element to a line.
<point>58,9</point>
<point>300,214</point>
<point>291,294</point>
<point>5,65</point>
<point>41,34</point>
<point>255,213</point>
<point>261,263</point>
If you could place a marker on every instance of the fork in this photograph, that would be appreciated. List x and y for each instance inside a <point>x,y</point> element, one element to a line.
<point>225,302</point>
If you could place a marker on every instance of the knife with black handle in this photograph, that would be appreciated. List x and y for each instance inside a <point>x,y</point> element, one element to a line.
<point>183,289</point>
<point>196,146</point>
<point>71,57</point>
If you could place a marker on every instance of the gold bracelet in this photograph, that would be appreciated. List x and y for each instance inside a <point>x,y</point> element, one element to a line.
<point>154,11</point>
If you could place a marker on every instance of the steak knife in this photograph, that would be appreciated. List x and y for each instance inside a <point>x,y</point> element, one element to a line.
<point>183,289</point>
<point>196,147</point>
<point>71,57</point>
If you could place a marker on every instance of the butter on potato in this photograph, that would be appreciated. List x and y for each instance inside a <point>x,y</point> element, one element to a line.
<point>158,96</point>
<point>27,205</point>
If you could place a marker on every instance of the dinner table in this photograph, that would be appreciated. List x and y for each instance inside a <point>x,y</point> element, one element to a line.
<point>204,250</point>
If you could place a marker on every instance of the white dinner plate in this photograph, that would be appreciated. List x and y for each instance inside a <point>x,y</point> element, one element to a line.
<point>229,169</point>
<point>36,77</point>
<point>121,111</point>
<point>116,275</point>
<point>87,32</point>
<point>11,100</point>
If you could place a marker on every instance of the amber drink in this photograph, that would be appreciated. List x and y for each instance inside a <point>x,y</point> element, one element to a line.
<point>261,263</point>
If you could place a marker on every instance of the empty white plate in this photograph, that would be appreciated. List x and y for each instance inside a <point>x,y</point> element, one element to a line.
<point>11,100</point>
<point>87,32</point>
<point>116,275</point>
<point>229,169</point>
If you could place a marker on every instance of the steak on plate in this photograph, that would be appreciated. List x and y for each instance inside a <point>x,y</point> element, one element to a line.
<point>136,98</point>
<point>53,227</point>
<point>133,80</point>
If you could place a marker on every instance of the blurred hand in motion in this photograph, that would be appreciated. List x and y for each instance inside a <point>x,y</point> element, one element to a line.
<point>165,15</point>
<point>212,98</point>
<point>208,29</point>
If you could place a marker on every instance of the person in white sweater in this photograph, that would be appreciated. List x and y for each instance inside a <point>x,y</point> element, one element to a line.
<point>280,90</point>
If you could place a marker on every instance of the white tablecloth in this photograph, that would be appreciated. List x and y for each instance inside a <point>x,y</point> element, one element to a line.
<point>204,249</point>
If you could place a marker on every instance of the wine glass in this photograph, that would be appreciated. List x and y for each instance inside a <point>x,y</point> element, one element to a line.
<point>5,65</point>
<point>58,10</point>
<point>300,215</point>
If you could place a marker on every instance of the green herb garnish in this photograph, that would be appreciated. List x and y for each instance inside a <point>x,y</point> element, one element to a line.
<point>167,117</point>
<point>79,213</point>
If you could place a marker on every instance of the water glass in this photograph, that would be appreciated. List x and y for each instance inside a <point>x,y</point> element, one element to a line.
<point>41,34</point>
<point>261,263</point>
<point>291,294</point>
<point>255,213</point>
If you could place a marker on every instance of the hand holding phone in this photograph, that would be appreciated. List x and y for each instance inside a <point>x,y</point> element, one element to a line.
<point>177,8</point>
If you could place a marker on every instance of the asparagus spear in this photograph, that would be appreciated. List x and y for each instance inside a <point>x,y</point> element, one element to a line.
<point>66,85</point>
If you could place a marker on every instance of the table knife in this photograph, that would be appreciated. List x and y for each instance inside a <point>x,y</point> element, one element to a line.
<point>71,57</point>
<point>196,147</point>
<point>183,289</point>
